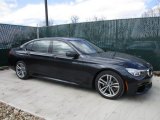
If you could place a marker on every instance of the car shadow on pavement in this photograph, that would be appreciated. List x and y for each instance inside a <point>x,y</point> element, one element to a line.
<point>141,97</point>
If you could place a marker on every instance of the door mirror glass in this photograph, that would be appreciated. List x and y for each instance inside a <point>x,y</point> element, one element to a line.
<point>72,54</point>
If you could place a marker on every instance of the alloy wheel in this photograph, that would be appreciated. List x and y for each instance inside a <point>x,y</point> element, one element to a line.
<point>21,70</point>
<point>108,85</point>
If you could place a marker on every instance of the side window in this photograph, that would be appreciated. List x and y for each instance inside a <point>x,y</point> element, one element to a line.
<point>60,47</point>
<point>29,46</point>
<point>41,46</point>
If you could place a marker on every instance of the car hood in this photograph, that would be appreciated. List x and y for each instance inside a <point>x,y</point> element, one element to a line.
<point>123,59</point>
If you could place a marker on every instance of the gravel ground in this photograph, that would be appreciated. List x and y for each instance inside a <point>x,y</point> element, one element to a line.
<point>8,112</point>
<point>57,101</point>
<point>156,73</point>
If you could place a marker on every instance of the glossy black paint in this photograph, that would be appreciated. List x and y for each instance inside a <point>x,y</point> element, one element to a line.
<point>79,68</point>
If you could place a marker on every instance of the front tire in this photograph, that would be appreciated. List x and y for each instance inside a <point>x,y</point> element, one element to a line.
<point>21,70</point>
<point>109,85</point>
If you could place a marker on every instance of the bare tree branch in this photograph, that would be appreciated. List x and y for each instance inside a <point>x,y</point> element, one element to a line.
<point>74,19</point>
<point>153,12</point>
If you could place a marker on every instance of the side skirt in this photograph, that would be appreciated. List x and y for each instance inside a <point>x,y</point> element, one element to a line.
<point>54,79</point>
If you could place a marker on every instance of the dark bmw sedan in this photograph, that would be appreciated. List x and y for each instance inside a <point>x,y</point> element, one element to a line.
<point>77,61</point>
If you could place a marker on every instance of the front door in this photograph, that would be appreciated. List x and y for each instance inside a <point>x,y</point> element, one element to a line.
<point>66,68</point>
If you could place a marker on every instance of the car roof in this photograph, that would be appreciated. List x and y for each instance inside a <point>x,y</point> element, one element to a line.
<point>53,38</point>
<point>60,38</point>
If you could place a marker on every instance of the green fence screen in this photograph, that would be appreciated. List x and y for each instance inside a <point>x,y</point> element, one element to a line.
<point>13,36</point>
<point>137,36</point>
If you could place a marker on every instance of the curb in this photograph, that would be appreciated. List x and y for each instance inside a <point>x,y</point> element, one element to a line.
<point>156,73</point>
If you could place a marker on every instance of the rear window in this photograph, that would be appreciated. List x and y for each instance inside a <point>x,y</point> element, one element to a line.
<point>41,46</point>
<point>29,46</point>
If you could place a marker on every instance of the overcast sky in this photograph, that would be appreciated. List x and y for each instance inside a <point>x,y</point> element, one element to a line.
<point>31,12</point>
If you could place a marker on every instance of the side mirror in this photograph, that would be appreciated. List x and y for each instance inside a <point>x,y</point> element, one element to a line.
<point>72,54</point>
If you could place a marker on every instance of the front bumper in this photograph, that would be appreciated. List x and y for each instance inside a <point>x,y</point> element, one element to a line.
<point>138,86</point>
<point>143,87</point>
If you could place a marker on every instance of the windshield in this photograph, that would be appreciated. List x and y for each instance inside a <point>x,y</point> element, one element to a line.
<point>86,47</point>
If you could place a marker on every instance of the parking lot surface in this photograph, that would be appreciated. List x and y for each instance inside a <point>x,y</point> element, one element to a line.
<point>58,101</point>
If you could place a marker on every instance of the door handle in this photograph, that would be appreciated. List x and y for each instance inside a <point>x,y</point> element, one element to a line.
<point>27,53</point>
<point>54,56</point>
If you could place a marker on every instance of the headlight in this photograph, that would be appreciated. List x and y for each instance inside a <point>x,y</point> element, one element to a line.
<point>136,72</point>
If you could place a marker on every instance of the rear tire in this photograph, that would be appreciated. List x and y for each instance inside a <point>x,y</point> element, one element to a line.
<point>109,85</point>
<point>21,70</point>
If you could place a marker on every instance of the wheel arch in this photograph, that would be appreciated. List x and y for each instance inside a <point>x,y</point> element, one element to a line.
<point>21,60</point>
<point>26,69</point>
<point>16,61</point>
<point>107,69</point>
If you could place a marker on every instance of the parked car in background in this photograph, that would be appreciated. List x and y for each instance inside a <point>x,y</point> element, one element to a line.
<point>4,50</point>
<point>148,50</point>
<point>79,62</point>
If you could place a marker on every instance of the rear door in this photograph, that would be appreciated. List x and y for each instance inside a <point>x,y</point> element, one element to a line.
<point>39,53</point>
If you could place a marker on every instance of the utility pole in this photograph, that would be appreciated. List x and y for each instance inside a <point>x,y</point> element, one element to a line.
<point>46,12</point>
<point>37,31</point>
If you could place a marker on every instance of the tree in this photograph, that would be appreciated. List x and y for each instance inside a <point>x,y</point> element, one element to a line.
<point>74,19</point>
<point>95,18</point>
<point>153,12</point>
